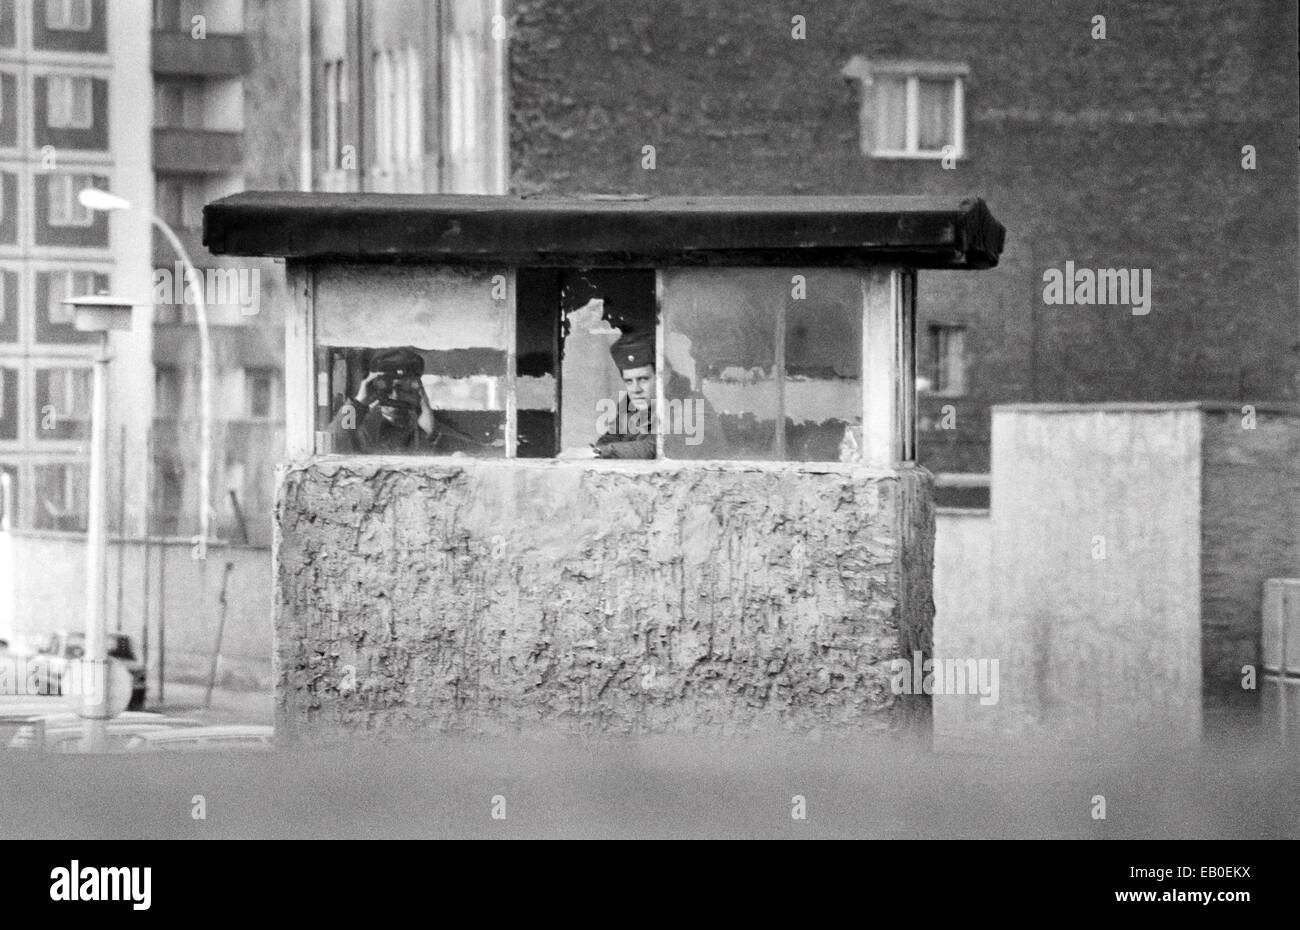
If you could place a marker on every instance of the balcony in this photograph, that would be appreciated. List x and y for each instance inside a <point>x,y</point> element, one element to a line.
<point>198,151</point>
<point>217,56</point>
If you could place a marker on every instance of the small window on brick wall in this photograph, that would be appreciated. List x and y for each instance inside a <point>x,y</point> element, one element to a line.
<point>911,109</point>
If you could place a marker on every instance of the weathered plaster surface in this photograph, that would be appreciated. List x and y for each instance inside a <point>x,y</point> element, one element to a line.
<point>493,596</point>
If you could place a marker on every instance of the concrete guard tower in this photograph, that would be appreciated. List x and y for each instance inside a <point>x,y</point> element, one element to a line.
<point>761,570</point>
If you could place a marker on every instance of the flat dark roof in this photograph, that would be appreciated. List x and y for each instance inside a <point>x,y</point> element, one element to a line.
<point>923,232</point>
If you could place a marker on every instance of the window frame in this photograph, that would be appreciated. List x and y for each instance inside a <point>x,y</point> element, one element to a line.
<point>66,20</point>
<point>888,384</point>
<point>64,275</point>
<point>61,107</point>
<point>68,375</point>
<point>912,73</point>
<point>71,214</point>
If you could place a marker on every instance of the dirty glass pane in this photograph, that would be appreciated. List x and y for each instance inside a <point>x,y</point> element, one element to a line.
<point>763,364</point>
<point>934,121</point>
<point>411,360</point>
<point>891,110</point>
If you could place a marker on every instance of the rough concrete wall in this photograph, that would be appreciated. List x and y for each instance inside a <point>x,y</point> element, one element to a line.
<point>490,596</point>
<point>1250,531</point>
<point>1096,571</point>
<point>1103,152</point>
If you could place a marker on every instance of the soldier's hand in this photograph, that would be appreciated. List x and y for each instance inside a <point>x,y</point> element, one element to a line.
<point>367,391</point>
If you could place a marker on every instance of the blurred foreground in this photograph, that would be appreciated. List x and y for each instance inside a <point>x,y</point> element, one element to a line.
<point>654,787</point>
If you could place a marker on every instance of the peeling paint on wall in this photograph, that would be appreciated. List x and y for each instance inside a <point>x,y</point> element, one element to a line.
<point>489,596</point>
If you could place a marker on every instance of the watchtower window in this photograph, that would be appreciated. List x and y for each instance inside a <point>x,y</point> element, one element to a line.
<point>711,363</point>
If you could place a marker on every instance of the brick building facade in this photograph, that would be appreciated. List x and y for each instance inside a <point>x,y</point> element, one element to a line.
<point>1122,152</point>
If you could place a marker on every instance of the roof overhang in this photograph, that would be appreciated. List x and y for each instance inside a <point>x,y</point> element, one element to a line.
<point>921,232</point>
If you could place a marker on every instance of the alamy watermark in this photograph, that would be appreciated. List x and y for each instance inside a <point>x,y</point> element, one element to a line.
<point>1103,286</point>
<point>946,676</point>
<point>678,417</point>
<point>220,287</point>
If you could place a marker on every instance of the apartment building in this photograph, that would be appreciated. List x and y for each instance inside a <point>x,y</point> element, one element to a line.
<point>225,87</point>
<point>68,74</point>
<point>410,96</point>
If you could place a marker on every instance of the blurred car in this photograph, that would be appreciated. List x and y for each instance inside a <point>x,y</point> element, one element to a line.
<point>64,731</point>
<point>64,646</point>
<point>233,737</point>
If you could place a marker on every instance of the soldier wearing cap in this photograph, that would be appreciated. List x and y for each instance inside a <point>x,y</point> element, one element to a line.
<point>632,436</point>
<point>391,413</point>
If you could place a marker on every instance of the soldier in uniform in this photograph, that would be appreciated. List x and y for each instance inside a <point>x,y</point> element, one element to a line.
<point>632,436</point>
<point>391,413</point>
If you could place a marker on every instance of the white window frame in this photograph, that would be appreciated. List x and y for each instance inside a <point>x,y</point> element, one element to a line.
<point>912,73</point>
<point>68,15</point>
<point>64,208</point>
<point>911,145</point>
<point>69,288</point>
<point>68,374</point>
<point>66,506</point>
<point>69,101</point>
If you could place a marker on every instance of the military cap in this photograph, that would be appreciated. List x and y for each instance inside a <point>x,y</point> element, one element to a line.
<point>404,361</point>
<point>633,349</point>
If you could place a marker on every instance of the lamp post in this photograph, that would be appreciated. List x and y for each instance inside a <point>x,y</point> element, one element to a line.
<point>98,314</point>
<point>92,198</point>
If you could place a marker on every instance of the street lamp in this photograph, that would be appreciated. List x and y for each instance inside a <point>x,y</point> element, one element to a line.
<point>98,314</point>
<point>92,198</point>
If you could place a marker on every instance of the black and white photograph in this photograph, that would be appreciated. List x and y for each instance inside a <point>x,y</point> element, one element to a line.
<point>863,420</point>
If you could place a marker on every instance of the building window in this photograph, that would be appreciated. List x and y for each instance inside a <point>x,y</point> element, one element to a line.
<point>61,496</point>
<point>175,15</point>
<point>167,390</point>
<point>336,95</point>
<point>948,356</point>
<point>178,104</point>
<point>399,103</point>
<point>65,209</point>
<point>67,393</point>
<point>68,15</point>
<point>62,286</point>
<point>259,393</point>
<point>68,102</point>
<point>179,202</point>
<point>414,107</point>
<point>8,403</point>
<point>384,110</point>
<point>63,403</point>
<point>911,109</point>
